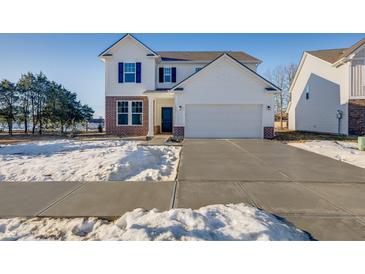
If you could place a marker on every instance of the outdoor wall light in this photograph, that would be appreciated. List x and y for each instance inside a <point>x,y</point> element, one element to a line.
<point>180,107</point>
<point>268,107</point>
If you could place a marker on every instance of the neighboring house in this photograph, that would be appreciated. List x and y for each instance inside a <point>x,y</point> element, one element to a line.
<point>191,94</point>
<point>330,84</point>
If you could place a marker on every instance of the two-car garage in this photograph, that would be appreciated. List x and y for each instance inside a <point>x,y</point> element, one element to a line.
<point>223,121</point>
<point>225,99</point>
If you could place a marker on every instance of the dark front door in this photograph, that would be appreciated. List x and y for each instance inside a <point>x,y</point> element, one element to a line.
<point>166,119</point>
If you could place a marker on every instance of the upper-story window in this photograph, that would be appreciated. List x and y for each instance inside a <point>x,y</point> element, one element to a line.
<point>167,75</point>
<point>130,72</point>
<point>197,69</point>
<point>307,91</point>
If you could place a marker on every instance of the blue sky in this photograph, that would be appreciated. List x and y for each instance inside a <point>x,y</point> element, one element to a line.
<point>71,59</point>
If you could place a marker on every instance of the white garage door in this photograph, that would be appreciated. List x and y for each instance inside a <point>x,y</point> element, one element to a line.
<point>223,121</point>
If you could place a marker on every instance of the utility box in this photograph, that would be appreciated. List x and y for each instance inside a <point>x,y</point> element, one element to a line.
<point>361,143</point>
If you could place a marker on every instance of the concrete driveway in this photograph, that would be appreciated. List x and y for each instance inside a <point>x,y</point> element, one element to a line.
<point>320,195</point>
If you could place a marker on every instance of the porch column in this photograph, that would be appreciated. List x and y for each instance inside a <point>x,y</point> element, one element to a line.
<point>151,117</point>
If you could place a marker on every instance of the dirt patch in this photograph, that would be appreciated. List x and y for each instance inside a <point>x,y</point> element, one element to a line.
<point>302,136</point>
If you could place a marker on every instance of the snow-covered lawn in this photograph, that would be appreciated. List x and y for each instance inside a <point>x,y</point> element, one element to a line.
<point>69,160</point>
<point>215,222</point>
<point>342,151</point>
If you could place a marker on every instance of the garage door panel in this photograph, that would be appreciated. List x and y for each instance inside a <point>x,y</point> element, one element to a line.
<point>223,121</point>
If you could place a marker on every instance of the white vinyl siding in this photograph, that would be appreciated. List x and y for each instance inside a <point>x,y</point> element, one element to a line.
<point>357,78</point>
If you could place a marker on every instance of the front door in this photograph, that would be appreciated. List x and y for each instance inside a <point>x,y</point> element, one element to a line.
<point>166,119</point>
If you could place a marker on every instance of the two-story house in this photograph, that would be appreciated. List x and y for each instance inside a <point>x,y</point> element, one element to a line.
<point>189,94</point>
<point>328,91</point>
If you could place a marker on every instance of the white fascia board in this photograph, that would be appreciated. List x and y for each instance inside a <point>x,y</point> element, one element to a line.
<point>304,56</point>
<point>237,62</point>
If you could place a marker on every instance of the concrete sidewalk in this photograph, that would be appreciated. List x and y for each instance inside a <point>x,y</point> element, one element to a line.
<point>77,199</point>
<point>326,211</point>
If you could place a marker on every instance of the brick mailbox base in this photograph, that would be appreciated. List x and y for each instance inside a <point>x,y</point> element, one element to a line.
<point>269,133</point>
<point>178,132</point>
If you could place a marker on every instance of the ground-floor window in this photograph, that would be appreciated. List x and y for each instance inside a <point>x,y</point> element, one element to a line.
<point>129,113</point>
<point>122,112</point>
<point>137,109</point>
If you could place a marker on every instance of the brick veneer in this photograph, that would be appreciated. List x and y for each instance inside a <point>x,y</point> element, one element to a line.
<point>269,132</point>
<point>356,109</point>
<point>157,130</point>
<point>178,132</point>
<point>111,126</point>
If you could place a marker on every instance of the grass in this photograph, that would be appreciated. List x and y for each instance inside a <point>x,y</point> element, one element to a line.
<point>301,136</point>
<point>20,137</point>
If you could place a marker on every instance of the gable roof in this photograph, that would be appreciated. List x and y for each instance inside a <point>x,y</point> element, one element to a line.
<point>188,55</point>
<point>334,55</point>
<point>328,55</point>
<point>204,55</point>
<point>271,88</point>
<point>125,36</point>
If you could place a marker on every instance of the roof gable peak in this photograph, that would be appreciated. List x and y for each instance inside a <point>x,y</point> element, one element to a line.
<point>128,35</point>
<point>271,87</point>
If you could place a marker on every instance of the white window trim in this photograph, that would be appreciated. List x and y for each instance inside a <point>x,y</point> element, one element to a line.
<point>167,74</point>
<point>129,113</point>
<point>135,72</point>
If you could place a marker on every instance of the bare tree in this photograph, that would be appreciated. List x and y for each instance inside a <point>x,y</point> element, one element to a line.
<point>282,76</point>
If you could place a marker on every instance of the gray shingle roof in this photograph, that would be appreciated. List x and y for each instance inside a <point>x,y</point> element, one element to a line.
<point>204,55</point>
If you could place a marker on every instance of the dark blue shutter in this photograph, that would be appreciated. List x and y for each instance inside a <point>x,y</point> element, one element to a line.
<point>120,72</point>
<point>138,72</point>
<point>173,75</point>
<point>160,75</point>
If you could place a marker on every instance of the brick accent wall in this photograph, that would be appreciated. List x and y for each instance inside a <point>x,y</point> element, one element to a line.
<point>111,126</point>
<point>269,133</point>
<point>178,132</point>
<point>356,109</point>
<point>157,130</point>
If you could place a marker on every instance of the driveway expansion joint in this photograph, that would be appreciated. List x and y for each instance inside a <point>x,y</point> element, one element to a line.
<point>38,214</point>
<point>173,196</point>
<point>252,200</point>
<point>324,197</point>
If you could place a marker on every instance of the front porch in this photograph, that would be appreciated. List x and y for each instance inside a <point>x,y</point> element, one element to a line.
<point>161,112</point>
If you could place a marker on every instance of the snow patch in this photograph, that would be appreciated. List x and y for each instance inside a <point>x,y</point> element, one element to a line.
<point>214,222</point>
<point>342,151</point>
<point>70,160</point>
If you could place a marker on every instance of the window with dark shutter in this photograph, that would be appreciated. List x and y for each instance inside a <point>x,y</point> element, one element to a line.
<point>160,75</point>
<point>138,72</point>
<point>173,72</point>
<point>120,72</point>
